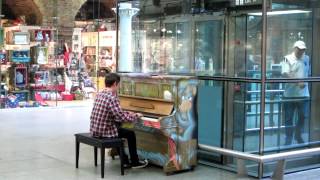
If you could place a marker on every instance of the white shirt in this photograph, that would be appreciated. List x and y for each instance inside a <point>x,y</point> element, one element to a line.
<point>295,68</point>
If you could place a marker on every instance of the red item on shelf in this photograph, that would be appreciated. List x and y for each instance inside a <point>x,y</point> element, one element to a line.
<point>40,100</point>
<point>68,97</point>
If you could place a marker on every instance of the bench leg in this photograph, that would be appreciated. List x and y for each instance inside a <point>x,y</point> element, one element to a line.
<point>102,149</point>
<point>77,153</point>
<point>95,156</point>
<point>121,159</point>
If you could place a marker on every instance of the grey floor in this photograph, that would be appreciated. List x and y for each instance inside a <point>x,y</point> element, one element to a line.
<point>38,143</point>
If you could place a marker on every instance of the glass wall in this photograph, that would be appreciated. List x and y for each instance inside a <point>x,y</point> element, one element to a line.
<point>222,43</point>
<point>293,79</point>
<point>222,48</point>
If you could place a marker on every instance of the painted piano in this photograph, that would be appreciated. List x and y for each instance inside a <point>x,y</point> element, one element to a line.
<point>167,133</point>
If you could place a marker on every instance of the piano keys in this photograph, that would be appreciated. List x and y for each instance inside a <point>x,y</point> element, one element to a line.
<point>166,134</point>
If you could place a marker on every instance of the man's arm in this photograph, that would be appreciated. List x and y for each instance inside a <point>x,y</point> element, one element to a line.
<point>301,74</point>
<point>120,115</point>
<point>285,68</point>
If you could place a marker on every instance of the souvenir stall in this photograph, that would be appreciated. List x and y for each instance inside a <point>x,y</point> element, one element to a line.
<point>99,54</point>
<point>30,74</point>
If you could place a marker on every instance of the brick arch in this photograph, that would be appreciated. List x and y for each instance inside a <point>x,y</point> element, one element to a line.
<point>27,8</point>
<point>108,4</point>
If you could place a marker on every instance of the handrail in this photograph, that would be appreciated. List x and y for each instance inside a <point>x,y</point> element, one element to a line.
<point>279,157</point>
<point>262,158</point>
<point>229,152</point>
<point>272,101</point>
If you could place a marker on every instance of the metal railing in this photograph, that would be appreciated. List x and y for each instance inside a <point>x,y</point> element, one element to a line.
<point>280,158</point>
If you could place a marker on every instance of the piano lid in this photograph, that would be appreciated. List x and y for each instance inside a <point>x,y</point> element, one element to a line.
<point>146,106</point>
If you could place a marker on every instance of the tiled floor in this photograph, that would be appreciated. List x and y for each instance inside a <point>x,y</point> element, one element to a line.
<point>38,144</point>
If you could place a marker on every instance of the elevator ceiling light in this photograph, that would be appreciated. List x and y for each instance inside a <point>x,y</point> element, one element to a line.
<point>280,12</point>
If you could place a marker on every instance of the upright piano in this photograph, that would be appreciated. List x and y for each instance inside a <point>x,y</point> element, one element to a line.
<point>167,133</point>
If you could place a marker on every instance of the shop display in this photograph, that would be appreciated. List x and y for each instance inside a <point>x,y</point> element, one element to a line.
<point>43,35</point>
<point>3,58</point>
<point>1,36</point>
<point>34,74</point>
<point>21,77</point>
<point>35,71</point>
<point>21,56</point>
<point>21,38</point>
<point>99,47</point>
<point>42,55</point>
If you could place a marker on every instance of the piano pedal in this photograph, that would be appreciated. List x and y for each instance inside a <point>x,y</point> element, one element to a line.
<point>112,153</point>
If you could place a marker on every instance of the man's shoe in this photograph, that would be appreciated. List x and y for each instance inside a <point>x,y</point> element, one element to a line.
<point>140,164</point>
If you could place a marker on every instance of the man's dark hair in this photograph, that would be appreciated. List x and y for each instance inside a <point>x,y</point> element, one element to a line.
<point>111,78</point>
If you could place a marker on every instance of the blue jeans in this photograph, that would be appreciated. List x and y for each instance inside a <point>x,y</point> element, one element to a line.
<point>299,105</point>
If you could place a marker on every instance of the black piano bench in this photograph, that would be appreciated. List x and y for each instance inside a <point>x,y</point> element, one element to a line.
<point>101,143</point>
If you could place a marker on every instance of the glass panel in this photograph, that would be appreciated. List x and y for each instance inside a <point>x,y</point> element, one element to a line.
<point>292,122</point>
<point>246,116</point>
<point>177,47</point>
<point>293,4</point>
<point>244,46</point>
<point>291,32</point>
<point>209,47</point>
<point>242,120</point>
<point>210,104</point>
<point>235,122</point>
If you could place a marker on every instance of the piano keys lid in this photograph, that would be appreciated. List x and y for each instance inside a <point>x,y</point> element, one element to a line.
<point>154,107</point>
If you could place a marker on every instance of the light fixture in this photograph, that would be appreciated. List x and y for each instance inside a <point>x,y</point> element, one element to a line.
<point>280,12</point>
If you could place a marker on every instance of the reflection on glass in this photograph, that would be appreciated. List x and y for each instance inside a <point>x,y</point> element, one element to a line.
<point>209,47</point>
<point>244,46</point>
<point>246,116</point>
<point>289,41</point>
<point>287,116</point>
<point>177,46</point>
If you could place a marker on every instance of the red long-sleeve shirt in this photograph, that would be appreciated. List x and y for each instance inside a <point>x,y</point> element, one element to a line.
<point>106,114</point>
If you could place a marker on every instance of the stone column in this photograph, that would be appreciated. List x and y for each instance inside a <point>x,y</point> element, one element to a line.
<point>126,12</point>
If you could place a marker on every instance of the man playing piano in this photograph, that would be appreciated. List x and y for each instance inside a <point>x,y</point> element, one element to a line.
<point>107,116</point>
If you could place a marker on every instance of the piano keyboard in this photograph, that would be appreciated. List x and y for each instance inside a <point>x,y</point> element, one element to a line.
<point>151,122</point>
<point>149,119</point>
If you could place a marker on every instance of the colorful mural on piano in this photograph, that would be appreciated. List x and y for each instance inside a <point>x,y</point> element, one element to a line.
<point>169,140</point>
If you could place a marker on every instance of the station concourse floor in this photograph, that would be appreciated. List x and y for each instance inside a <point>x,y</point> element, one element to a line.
<point>38,144</point>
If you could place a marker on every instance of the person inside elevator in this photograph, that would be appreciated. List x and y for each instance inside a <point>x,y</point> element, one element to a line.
<point>107,116</point>
<point>295,65</point>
